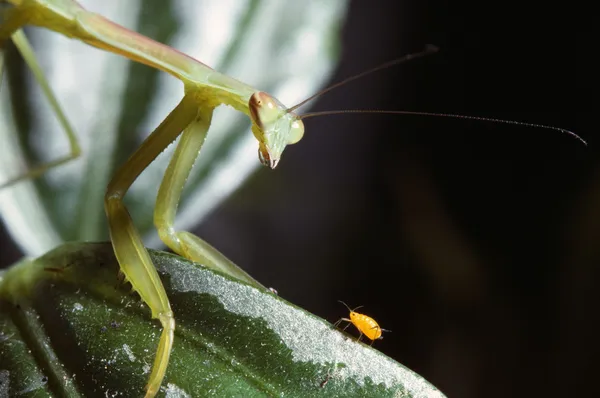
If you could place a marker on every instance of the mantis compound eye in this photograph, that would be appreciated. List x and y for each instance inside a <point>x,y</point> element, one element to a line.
<point>264,109</point>
<point>296,132</point>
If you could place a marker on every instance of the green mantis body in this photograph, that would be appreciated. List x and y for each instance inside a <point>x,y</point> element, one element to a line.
<point>204,89</point>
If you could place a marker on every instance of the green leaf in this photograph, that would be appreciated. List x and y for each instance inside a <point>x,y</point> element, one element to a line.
<point>68,328</point>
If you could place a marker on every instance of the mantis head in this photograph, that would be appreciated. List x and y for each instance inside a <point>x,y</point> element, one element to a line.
<point>274,126</point>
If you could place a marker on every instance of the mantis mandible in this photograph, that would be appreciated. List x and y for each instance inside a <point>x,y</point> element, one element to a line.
<point>273,125</point>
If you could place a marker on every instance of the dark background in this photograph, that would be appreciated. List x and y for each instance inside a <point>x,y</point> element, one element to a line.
<point>476,243</point>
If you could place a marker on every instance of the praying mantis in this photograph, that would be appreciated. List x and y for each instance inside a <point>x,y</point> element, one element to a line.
<point>273,125</point>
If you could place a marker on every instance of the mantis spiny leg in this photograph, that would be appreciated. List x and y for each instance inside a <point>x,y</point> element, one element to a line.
<point>129,249</point>
<point>185,243</point>
<point>26,51</point>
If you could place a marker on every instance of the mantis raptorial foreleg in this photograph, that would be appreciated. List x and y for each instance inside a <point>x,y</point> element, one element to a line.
<point>169,196</point>
<point>26,51</point>
<point>129,249</point>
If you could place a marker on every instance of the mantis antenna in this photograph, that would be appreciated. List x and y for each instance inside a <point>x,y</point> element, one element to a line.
<point>448,115</point>
<point>429,49</point>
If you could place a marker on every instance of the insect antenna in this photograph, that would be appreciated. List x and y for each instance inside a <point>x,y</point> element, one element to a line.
<point>429,49</point>
<point>351,310</point>
<point>448,115</point>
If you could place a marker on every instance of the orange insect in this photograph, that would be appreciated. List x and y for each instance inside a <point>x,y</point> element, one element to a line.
<point>364,323</point>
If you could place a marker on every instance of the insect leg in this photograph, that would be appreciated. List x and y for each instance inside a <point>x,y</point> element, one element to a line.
<point>376,327</point>
<point>26,51</point>
<point>360,336</point>
<point>133,257</point>
<point>185,243</point>
<point>337,323</point>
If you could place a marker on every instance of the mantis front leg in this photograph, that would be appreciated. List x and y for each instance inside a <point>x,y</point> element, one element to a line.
<point>134,261</point>
<point>131,254</point>
<point>185,243</point>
